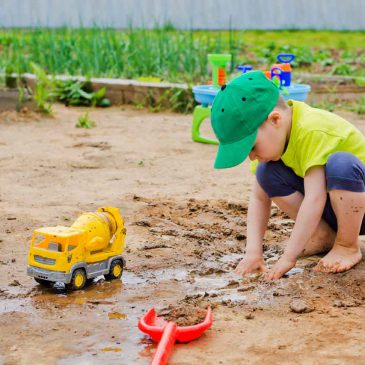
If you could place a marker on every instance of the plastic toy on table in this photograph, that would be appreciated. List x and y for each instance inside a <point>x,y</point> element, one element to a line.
<point>282,73</point>
<point>244,68</point>
<point>283,69</point>
<point>205,94</point>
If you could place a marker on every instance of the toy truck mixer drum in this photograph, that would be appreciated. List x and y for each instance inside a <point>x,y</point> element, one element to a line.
<point>100,226</point>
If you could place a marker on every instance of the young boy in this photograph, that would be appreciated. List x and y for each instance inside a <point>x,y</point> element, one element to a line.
<point>311,165</point>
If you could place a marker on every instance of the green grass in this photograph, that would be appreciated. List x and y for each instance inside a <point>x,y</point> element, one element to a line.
<point>173,55</point>
<point>344,40</point>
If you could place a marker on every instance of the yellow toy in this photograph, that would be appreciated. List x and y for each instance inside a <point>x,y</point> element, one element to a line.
<point>92,246</point>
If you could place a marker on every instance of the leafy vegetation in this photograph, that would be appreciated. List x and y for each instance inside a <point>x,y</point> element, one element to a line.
<point>84,121</point>
<point>165,54</point>
<point>70,92</point>
<point>74,92</point>
<point>174,55</point>
<point>45,90</point>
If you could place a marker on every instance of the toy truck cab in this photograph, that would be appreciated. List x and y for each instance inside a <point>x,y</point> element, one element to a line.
<point>92,246</point>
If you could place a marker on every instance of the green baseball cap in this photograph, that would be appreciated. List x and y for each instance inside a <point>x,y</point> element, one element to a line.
<point>238,110</point>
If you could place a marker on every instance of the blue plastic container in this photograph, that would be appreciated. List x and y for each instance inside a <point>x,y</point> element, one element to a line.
<point>297,92</point>
<point>205,94</point>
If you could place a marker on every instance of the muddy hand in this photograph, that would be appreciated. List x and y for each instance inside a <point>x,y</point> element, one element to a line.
<point>250,265</point>
<point>280,268</point>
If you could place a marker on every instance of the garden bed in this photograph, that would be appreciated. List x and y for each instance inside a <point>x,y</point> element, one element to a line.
<point>162,95</point>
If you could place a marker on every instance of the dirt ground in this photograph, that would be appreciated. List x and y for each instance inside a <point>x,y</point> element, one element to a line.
<point>186,225</point>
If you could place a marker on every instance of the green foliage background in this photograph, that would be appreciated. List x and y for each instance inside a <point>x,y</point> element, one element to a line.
<point>174,55</point>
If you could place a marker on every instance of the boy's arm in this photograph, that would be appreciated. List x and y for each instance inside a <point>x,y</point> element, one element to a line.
<point>308,217</point>
<point>257,218</point>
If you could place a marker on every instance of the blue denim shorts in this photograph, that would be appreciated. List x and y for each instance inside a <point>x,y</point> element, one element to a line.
<point>344,171</point>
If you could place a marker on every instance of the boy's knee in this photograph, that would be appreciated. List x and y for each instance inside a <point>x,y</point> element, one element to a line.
<point>265,172</point>
<point>344,171</point>
<point>276,179</point>
<point>262,171</point>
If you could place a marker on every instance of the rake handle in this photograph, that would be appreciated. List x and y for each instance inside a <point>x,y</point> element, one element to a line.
<point>165,345</point>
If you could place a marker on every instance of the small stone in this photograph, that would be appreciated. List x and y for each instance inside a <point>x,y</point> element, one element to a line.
<point>249,316</point>
<point>227,232</point>
<point>143,223</point>
<point>245,288</point>
<point>15,283</point>
<point>278,293</point>
<point>346,303</point>
<point>232,284</point>
<point>300,306</point>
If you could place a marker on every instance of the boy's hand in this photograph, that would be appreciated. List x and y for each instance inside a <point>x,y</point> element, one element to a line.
<point>250,265</point>
<point>280,268</point>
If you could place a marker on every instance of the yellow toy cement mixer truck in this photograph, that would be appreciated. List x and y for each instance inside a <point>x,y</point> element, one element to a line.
<point>92,246</point>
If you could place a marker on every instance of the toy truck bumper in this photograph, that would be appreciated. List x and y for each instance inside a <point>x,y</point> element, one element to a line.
<point>49,275</point>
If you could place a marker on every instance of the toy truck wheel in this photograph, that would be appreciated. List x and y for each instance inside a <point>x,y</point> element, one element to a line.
<point>116,270</point>
<point>44,282</point>
<point>78,280</point>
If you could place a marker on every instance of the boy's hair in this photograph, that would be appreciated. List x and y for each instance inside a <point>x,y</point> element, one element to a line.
<point>281,104</point>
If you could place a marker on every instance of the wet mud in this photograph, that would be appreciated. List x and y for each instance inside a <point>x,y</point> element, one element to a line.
<point>181,251</point>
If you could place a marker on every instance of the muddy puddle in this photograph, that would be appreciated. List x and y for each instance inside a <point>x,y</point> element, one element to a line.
<point>183,261</point>
<point>186,232</point>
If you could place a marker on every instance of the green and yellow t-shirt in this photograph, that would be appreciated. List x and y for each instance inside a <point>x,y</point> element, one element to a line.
<point>315,135</point>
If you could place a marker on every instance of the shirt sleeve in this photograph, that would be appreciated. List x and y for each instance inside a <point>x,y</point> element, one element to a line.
<point>314,149</point>
<point>253,166</point>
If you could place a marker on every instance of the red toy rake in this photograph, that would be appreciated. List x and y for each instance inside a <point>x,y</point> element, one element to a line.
<point>166,333</point>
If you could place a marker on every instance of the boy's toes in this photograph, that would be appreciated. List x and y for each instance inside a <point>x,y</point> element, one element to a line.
<point>339,259</point>
<point>321,267</point>
<point>336,267</point>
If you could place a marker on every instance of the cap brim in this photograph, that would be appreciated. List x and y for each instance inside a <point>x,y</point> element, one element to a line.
<point>232,154</point>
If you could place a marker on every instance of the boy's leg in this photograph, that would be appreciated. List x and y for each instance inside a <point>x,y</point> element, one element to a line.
<point>324,236</point>
<point>345,176</point>
<point>287,191</point>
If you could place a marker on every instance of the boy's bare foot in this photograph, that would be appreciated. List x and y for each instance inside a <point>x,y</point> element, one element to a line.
<point>339,259</point>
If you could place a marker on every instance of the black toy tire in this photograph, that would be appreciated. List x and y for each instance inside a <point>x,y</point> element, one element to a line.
<point>74,283</point>
<point>116,270</point>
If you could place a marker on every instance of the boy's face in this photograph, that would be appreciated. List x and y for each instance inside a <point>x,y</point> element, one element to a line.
<point>271,139</point>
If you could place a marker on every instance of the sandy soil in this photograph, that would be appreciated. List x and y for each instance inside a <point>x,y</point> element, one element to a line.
<point>185,233</point>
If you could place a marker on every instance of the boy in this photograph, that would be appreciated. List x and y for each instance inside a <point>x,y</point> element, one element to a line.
<point>311,165</point>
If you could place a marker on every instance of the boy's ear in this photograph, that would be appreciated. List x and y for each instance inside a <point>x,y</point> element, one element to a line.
<point>274,118</point>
